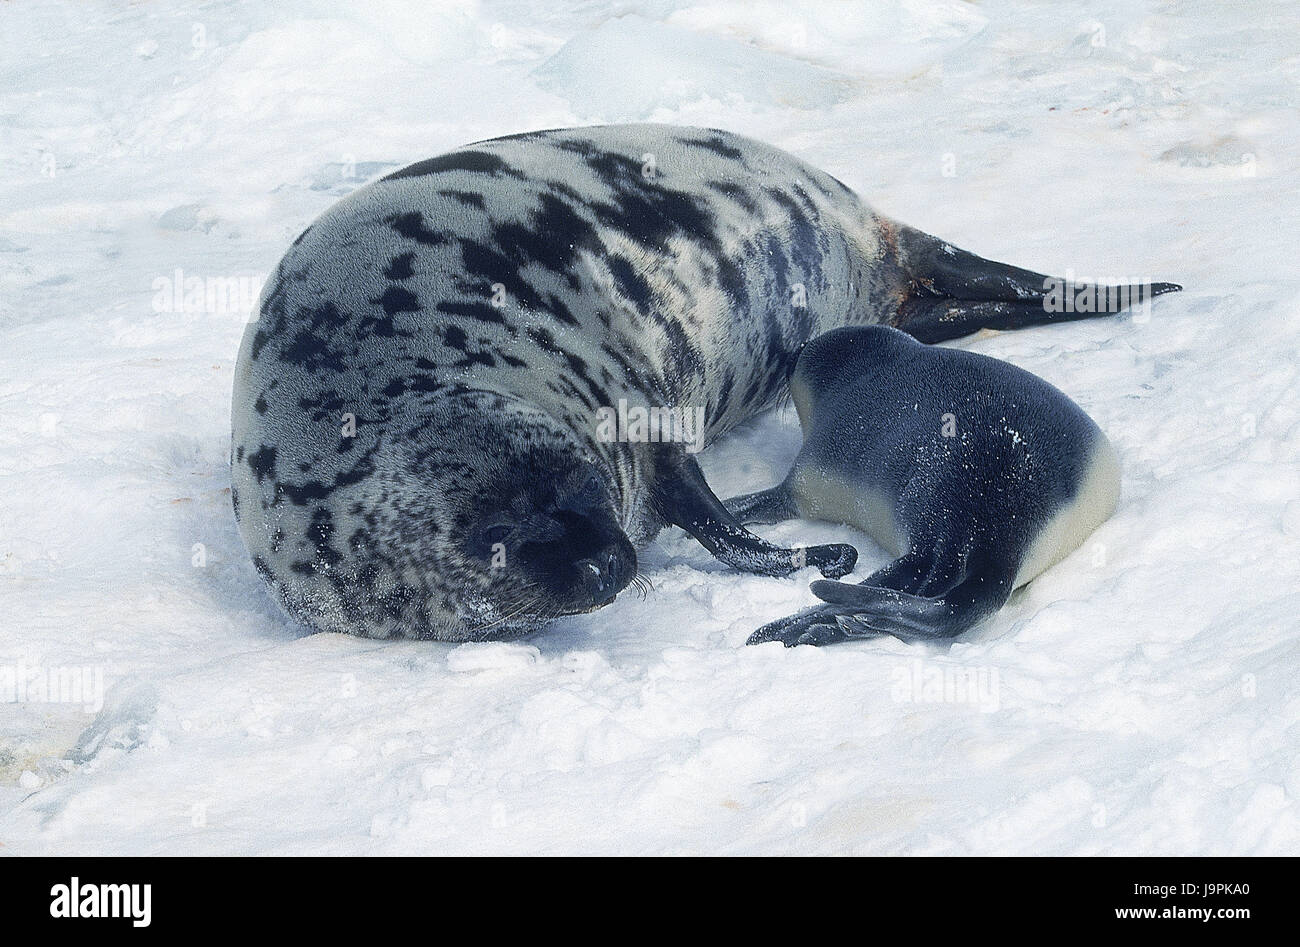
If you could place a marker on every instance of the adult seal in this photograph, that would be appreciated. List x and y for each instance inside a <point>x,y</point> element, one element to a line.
<point>419,446</point>
<point>975,474</point>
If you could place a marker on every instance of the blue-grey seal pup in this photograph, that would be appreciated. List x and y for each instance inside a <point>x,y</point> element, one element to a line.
<point>975,474</point>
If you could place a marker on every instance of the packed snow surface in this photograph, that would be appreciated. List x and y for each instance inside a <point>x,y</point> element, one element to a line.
<point>1139,697</point>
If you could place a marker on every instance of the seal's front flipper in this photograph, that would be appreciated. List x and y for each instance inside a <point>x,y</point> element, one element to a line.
<point>684,499</point>
<point>766,506</point>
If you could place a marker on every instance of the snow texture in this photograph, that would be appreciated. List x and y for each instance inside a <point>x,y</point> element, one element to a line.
<point>1137,698</point>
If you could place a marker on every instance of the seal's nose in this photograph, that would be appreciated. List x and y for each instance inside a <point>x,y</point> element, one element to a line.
<point>602,575</point>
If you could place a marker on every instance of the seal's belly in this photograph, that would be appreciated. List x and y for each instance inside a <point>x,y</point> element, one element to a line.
<point>821,494</point>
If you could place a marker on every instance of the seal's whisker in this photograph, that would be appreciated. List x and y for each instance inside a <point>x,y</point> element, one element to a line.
<point>642,584</point>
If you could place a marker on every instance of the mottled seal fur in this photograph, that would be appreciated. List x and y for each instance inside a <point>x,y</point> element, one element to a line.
<point>415,450</point>
<point>976,474</point>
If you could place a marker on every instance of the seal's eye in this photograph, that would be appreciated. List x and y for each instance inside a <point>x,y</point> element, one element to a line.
<point>588,496</point>
<point>590,488</point>
<point>496,533</point>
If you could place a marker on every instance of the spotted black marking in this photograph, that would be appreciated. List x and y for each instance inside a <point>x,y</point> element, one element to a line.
<point>556,306</point>
<point>629,282</point>
<point>411,226</point>
<point>724,395</point>
<point>716,145</point>
<point>400,267</point>
<point>488,266</point>
<point>455,338</point>
<point>684,356</point>
<point>303,493</point>
<point>475,162</point>
<point>468,198</point>
<point>319,534</point>
<point>734,192</point>
<point>543,338</point>
<point>553,234</point>
<point>329,404</point>
<point>326,317</point>
<point>651,213</point>
<point>397,299</point>
<point>273,308</point>
<point>311,351</point>
<point>262,462</point>
<point>375,326</point>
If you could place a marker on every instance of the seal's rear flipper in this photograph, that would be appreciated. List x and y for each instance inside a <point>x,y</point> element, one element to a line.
<point>684,499</point>
<point>866,610</point>
<point>954,292</point>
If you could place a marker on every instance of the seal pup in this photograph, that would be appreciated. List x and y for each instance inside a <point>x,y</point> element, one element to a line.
<point>975,474</point>
<point>416,448</point>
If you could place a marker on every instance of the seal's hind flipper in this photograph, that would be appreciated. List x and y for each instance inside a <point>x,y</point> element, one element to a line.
<point>889,602</point>
<point>864,610</point>
<point>766,506</point>
<point>954,292</point>
<point>815,626</point>
<point>938,320</point>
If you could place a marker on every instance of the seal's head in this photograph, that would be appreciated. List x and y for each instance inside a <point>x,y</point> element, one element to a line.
<point>863,347</point>
<point>850,352</point>
<point>511,517</point>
